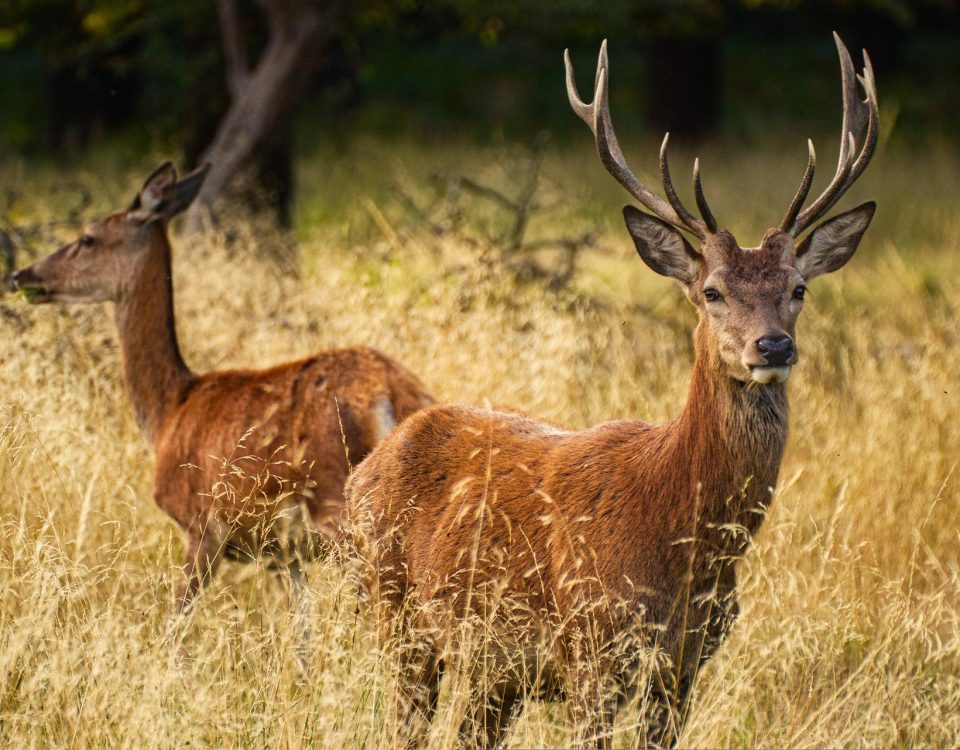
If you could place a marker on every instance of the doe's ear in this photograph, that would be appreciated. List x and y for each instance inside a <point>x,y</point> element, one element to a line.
<point>831,244</point>
<point>163,196</point>
<point>661,246</point>
<point>151,194</point>
<point>185,191</point>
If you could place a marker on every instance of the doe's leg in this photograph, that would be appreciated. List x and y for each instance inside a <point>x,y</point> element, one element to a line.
<point>300,607</point>
<point>200,561</point>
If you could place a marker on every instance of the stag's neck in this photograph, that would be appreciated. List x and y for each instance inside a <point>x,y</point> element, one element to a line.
<point>157,378</point>
<point>730,440</point>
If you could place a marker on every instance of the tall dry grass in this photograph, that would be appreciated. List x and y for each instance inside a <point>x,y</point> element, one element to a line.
<point>850,628</point>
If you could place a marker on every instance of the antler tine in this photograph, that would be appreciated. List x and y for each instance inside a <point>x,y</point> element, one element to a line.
<point>857,114</point>
<point>837,187</point>
<point>584,111</point>
<point>853,116</point>
<point>705,212</point>
<point>689,220</point>
<point>787,224</point>
<point>597,116</point>
<point>873,118</point>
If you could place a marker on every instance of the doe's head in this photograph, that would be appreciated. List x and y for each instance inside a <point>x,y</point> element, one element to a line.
<point>100,263</point>
<point>748,298</point>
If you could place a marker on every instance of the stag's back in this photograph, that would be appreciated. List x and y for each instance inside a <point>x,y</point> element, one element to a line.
<point>459,505</point>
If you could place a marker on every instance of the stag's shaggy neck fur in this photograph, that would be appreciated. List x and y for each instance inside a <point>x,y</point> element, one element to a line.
<point>156,376</point>
<point>729,439</point>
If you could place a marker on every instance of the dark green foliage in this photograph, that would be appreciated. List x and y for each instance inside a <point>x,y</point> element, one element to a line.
<point>74,71</point>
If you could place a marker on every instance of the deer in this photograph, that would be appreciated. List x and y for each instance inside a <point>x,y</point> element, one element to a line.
<point>602,563</point>
<point>298,426</point>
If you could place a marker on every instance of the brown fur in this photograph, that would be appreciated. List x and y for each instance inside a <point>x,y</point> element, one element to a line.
<point>239,453</point>
<point>576,544</point>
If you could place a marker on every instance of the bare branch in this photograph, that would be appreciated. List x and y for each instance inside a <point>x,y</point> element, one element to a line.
<point>487,192</point>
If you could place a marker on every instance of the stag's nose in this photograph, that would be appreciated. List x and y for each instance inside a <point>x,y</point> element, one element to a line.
<point>777,350</point>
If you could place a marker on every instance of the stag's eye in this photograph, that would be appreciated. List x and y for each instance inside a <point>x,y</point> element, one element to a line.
<point>86,240</point>
<point>712,295</point>
<point>799,292</point>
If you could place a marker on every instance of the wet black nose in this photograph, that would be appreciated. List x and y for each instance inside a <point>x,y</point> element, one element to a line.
<point>776,350</point>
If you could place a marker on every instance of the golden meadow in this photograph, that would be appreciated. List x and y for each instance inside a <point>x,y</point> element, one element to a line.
<point>850,627</point>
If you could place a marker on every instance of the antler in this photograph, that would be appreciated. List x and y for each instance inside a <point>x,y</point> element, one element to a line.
<point>597,116</point>
<point>850,165</point>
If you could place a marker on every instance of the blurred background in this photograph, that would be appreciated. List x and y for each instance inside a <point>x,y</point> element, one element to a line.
<point>257,86</point>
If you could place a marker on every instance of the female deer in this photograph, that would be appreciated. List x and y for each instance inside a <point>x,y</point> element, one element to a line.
<point>301,424</point>
<point>578,551</point>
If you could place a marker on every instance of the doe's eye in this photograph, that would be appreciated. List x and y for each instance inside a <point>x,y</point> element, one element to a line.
<point>86,240</point>
<point>712,295</point>
<point>799,292</point>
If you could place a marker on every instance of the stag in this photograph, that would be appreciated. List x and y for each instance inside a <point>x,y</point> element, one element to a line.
<point>603,562</point>
<point>300,425</point>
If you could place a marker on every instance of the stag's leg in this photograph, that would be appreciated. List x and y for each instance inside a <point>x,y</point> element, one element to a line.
<point>491,713</point>
<point>418,664</point>
<point>419,668</point>
<point>418,689</point>
<point>667,707</point>
<point>671,690</point>
<point>592,704</point>
<point>592,718</point>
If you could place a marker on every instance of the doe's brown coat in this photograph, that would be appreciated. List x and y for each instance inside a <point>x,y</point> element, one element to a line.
<point>247,461</point>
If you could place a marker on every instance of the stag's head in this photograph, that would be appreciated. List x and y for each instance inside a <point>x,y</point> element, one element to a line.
<point>99,265</point>
<point>748,298</point>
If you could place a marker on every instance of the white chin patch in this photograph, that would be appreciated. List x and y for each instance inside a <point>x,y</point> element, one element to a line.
<point>765,375</point>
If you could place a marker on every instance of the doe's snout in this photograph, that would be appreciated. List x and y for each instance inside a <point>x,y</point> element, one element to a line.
<point>778,350</point>
<point>24,277</point>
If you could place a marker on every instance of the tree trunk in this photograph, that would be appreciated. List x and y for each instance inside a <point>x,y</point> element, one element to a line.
<point>261,98</point>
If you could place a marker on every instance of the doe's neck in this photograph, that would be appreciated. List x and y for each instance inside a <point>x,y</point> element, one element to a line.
<point>157,378</point>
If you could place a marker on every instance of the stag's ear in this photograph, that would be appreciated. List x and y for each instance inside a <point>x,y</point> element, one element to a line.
<point>163,196</point>
<point>661,246</point>
<point>829,246</point>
